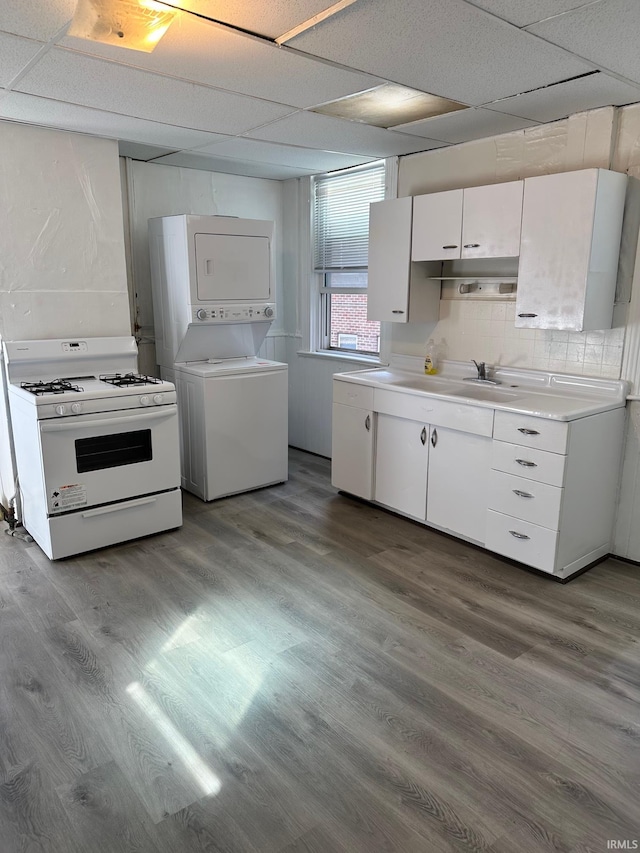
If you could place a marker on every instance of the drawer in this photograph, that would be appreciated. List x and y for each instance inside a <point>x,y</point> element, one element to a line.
<point>353,394</point>
<point>538,503</point>
<point>431,410</point>
<point>532,545</point>
<point>539,465</point>
<point>542,433</point>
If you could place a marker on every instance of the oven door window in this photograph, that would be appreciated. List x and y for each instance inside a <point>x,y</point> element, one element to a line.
<point>110,451</point>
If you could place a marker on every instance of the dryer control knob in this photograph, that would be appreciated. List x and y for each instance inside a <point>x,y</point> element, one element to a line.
<point>201,314</point>
<point>75,408</point>
<point>144,400</point>
<point>60,410</point>
<point>268,311</point>
<point>157,399</point>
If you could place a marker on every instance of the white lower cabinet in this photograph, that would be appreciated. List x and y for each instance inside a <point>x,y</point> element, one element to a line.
<point>459,467</point>
<point>352,450</point>
<point>402,454</point>
<point>536,490</point>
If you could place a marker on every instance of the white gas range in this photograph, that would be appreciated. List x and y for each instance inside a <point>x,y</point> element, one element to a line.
<point>96,444</point>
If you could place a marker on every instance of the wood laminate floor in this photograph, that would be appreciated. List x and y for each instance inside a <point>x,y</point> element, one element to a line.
<point>296,671</point>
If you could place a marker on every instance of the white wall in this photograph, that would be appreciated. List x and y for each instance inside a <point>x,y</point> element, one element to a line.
<point>62,267</point>
<point>155,190</point>
<point>62,257</point>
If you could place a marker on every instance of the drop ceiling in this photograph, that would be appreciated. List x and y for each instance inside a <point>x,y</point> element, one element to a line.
<point>220,93</point>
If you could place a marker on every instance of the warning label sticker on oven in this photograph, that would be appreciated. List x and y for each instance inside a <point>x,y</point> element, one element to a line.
<point>69,497</point>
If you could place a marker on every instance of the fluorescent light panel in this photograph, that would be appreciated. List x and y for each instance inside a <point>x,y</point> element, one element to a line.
<point>135,24</point>
<point>389,105</point>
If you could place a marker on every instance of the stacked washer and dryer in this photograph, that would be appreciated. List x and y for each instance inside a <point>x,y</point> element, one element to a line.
<point>213,289</point>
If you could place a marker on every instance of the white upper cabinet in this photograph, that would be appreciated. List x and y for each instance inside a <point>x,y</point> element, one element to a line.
<point>398,291</point>
<point>571,226</point>
<point>477,222</point>
<point>437,226</point>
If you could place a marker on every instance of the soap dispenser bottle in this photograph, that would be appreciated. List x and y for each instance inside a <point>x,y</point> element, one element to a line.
<point>431,358</point>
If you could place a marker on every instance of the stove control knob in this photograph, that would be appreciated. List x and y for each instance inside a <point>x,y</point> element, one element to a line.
<point>75,408</point>
<point>201,314</point>
<point>60,410</point>
<point>157,399</point>
<point>268,311</point>
<point>144,400</point>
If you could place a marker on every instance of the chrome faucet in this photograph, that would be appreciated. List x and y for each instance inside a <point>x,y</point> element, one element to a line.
<point>482,370</point>
<point>482,377</point>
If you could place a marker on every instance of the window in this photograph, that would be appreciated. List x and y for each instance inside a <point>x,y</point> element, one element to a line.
<point>341,247</point>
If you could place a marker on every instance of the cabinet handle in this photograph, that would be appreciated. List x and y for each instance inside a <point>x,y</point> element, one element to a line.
<point>434,438</point>
<point>450,247</point>
<point>526,431</point>
<point>423,436</point>
<point>519,535</point>
<point>472,245</point>
<point>367,423</point>
<point>527,315</point>
<point>396,311</point>
<point>526,464</point>
<point>522,494</point>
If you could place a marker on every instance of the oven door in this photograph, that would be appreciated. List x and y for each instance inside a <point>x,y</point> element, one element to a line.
<point>101,458</point>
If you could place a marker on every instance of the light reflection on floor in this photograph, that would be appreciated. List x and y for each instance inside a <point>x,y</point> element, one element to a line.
<point>243,670</point>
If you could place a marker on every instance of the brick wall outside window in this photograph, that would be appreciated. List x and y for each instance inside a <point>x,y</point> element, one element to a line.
<point>349,316</point>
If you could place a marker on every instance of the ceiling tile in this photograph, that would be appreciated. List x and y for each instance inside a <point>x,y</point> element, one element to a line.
<point>605,33</point>
<point>207,53</point>
<point>312,130</point>
<point>444,47</point>
<point>189,160</point>
<point>65,75</point>
<point>270,19</point>
<point>42,111</point>
<point>466,125</point>
<point>15,53</point>
<point>252,150</point>
<point>527,11</point>
<point>574,96</point>
<point>35,19</point>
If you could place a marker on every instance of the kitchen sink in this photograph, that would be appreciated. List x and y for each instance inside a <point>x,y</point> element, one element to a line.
<point>425,383</point>
<point>490,395</point>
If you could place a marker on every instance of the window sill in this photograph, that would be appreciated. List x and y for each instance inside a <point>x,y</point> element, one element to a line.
<point>373,361</point>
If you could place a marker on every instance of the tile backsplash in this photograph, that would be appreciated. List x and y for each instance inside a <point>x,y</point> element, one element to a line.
<point>486,331</point>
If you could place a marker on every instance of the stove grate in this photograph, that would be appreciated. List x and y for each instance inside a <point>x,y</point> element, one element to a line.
<point>126,380</point>
<point>55,386</point>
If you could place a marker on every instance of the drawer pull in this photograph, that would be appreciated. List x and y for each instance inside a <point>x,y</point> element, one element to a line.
<point>367,423</point>
<point>451,246</point>
<point>522,494</point>
<point>526,464</point>
<point>423,436</point>
<point>519,535</point>
<point>526,431</point>
<point>527,315</point>
<point>396,311</point>
<point>472,245</point>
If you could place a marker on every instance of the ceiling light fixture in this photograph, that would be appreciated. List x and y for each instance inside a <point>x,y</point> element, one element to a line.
<point>389,105</point>
<point>134,24</point>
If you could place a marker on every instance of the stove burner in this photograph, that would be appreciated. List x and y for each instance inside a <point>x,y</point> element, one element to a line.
<point>124,380</point>
<point>56,386</point>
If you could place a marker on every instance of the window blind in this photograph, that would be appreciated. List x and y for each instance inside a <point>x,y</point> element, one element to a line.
<point>341,218</point>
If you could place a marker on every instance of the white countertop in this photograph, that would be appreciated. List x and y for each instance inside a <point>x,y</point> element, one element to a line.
<point>562,397</point>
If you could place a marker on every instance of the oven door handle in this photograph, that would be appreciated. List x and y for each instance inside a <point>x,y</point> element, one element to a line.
<point>104,510</point>
<point>71,423</point>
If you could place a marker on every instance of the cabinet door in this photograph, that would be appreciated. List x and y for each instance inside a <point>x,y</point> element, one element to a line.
<point>437,226</point>
<point>459,465</point>
<point>352,450</point>
<point>389,260</point>
<point>402,453</point>
<point>491,219</point>
<point>571,225</point>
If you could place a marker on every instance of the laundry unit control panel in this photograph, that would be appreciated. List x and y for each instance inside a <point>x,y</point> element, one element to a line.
<point>234,313</point>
